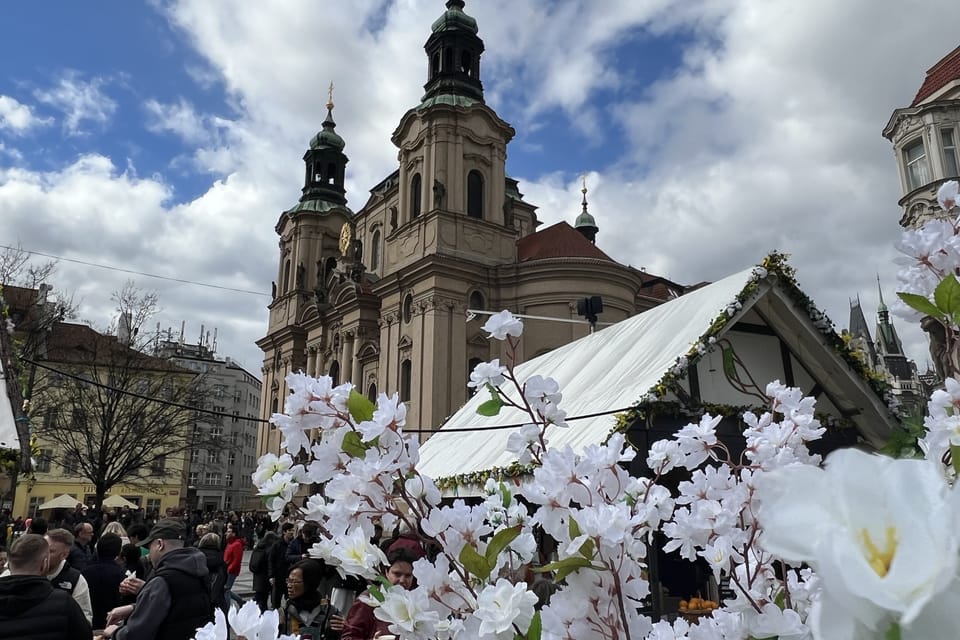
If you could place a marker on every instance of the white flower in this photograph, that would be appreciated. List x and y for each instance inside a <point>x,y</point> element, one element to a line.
<point>408,613</point>
<point>216,630</point>
<point>245,621</point>
<point>487,373</point>
<point>355,555</point>
<point>503,324</point>
<point>947,195</point>
<point>880,533</point>
<point>538,391</point>
<point>503,605</point>
<point>269,465</point>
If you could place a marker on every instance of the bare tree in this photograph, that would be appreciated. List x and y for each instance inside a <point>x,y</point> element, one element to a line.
<point>114,413</point>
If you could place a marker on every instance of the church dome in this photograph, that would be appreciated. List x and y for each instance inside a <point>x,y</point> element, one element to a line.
<point>454,19</point>
<point>327,138</point>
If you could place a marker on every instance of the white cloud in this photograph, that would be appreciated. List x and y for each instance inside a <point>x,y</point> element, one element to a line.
<point>18,117</point>
<point>80,101</point>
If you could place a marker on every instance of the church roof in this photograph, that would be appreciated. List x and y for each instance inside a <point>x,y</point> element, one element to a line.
<point>558,241</point>
<point>938,76</point>
<point>644,356</point>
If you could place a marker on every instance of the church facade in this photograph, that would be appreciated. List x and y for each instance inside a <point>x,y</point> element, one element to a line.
<point>392,297</point>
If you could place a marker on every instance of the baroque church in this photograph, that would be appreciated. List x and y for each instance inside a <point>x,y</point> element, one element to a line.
<point>392,297</point>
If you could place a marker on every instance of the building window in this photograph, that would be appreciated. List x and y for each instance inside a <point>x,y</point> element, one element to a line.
<point>406,371</point>
<point>193,478</point>
<point>918,170</point>
<point>416,195</point>
<point>158,465</point>
<point>216,432</point>
<point>375,251</point>
<point>372,392</point>
<point>951,164</point>
<point>475,194</point>
<point>228,479</point>
<point>286,277</point>
<point>43,460</point>
<point>408,308</point>
<point>211,479</point>
<point>71,464</point>
<point>228,502</point>
<point>232,458</point>
<point>194,455</point>
<point>334,373</point>
<point>153,504</point>
<point>35,501</point>
<point>477,303</point>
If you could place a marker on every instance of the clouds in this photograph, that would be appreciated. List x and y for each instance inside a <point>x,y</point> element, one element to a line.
<point>713,131</point>
<point>82,102</point>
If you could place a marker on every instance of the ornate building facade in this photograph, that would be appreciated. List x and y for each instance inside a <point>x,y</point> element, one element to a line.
<point>380,297</point>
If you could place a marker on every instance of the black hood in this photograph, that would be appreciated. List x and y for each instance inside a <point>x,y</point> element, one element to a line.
<point>22,593</point>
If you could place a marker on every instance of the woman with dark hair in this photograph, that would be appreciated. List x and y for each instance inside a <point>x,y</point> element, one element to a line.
<point>306,612</point>
<point>258,567</point>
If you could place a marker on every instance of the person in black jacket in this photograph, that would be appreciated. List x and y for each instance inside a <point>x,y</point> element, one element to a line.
<point>104,576</point>
<point>209,544</point>
<point>30,606</point>
<point>259,567</point>
<point>277,565</point>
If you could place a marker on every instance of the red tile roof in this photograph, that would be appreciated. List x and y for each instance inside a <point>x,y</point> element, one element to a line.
<point>947,70</point>
<point>558,241</point>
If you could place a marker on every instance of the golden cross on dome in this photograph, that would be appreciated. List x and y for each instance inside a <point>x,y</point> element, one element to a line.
<point>330,96</point>
<point>583,178</point>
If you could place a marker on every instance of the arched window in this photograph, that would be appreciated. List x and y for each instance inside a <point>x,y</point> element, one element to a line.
<point>477,302</point>
<point>415,195</point>
<point>286,276</point>
<point>335,373</point>
<point>375,251</point>
<point>372,392</point>
<point>275,405</point>
<point>475,194</point>
<point>331,173</point>
<point>408,308</point>
<point>448,60</point>
<point>406,371</point>
<point>466,63</point>
<point>435,65</point>
<point>471,365</point>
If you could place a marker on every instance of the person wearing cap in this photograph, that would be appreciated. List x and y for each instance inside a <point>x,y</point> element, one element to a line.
<point>175,601</point>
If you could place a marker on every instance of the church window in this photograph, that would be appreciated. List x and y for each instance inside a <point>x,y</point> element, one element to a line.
<point>448,60</point>
<point>466,63</point>
<point>918,170</point>
<point>435,65</point>
<point>406,371</point>
<point>372,392</point>
<point>475,194</point>
<point>375,251</point>
<point>408,308</point>
<point>951,165</point>
<point>335,373</point>
<point>476,302</point>
<point>331,173</point>
<point>415,195</point>
<point>286,276</point>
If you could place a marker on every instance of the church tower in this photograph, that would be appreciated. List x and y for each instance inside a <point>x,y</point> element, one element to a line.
<point>926,141</point>
<point>310,256</point>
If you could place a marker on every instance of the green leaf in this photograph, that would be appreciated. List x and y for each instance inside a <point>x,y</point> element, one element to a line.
<point>588,548</point>
<point>353,445</point>
<point>566,566</point>
<point>729,366</point>
<point>947,295</point>
<point>893,633</point>
<point>361,409</point>
<point>921,304</point>
<point>474,562</point>
<point>573,528</point>
<point>375,592</point>
<point>536,627</point>
<point>499,542</point>
<point>506,495</point>
<point>491,407</point>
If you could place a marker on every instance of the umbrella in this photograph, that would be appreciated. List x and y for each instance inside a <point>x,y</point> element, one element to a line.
<point>115,502</point>
<point>65,501</point>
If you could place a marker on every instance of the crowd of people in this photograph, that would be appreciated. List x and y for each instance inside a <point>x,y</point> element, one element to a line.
<point>128,576</point>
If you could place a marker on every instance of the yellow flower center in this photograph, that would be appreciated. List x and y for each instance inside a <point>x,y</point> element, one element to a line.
<point>880,559</point>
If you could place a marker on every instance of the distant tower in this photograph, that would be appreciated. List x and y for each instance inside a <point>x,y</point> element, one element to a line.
<point>860,333</point>
<point>925,139</point>
<point>901,371</point>
<point>585,223</point>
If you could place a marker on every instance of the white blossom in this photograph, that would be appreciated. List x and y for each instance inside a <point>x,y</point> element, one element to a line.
<point>503,324</point>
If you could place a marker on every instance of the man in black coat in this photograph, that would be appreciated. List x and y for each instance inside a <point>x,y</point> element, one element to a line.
<point>30,606</point>
<point>104,576</point>
<point>82,552</point>
<point>277,564</point>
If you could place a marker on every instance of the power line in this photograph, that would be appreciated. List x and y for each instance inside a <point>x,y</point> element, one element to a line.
<point>219,414</point>
<point>133,271</point>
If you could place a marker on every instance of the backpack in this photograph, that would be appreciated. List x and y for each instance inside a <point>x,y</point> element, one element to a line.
<point>258,561</point>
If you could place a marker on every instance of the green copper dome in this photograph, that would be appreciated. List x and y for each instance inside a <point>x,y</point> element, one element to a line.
<point>454,19</point>
<point>585,220</point>
<point>327,138</point>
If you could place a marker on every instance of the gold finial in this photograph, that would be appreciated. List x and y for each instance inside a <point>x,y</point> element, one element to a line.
<point>330,97</point>
<point>583,178</point>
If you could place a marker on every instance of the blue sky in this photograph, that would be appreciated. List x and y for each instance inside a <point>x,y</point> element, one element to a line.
<point>166,137</point>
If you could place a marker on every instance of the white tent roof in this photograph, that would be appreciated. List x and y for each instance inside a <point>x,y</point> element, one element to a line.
<point>616,367</point>
<point>63,501</point>
<point>8,428</point>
